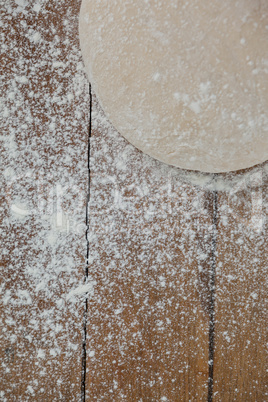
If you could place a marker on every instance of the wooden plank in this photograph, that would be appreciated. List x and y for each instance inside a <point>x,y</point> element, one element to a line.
<point>240,365</point>
<point>150,247</point>
<point>148,317</point>
<point>43,163</point>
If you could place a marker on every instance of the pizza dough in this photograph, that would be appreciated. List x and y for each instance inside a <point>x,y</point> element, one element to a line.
<point>183,81</point>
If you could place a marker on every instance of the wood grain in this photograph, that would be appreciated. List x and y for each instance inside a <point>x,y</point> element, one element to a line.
<point>150,246</point>
<point>43,166</point>
<point>148,318</point>
<point>240,372</point>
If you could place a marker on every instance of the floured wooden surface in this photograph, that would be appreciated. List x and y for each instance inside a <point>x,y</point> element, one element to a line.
<point>150,265</point>
<point>241,302</point>
<point>150,238</point>
<point>148,328</point>
<point>43,193</point>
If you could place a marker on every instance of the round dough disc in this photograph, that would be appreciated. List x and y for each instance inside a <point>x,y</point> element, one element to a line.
<point>183,81</point>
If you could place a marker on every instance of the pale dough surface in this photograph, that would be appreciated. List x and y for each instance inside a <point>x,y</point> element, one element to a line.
<point>183,81</point>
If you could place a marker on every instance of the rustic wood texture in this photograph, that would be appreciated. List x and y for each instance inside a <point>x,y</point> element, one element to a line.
<point>240,367</point>
<point>43,194</point>
<point>148,319</point>
<point>151,248</point>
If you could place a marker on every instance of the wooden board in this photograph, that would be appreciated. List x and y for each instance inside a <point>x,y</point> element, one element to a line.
<point>148,318</point>
<point>43,196</point>
<point>241,292</point>
<point>151,247</point>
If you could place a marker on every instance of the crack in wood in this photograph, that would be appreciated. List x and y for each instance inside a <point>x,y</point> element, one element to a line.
<point>84,346</point>
<point>212,297</point>
<point>210,303</point>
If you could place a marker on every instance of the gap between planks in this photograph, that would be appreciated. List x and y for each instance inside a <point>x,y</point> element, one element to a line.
<point>211,284</point>
<point>84,347</point>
